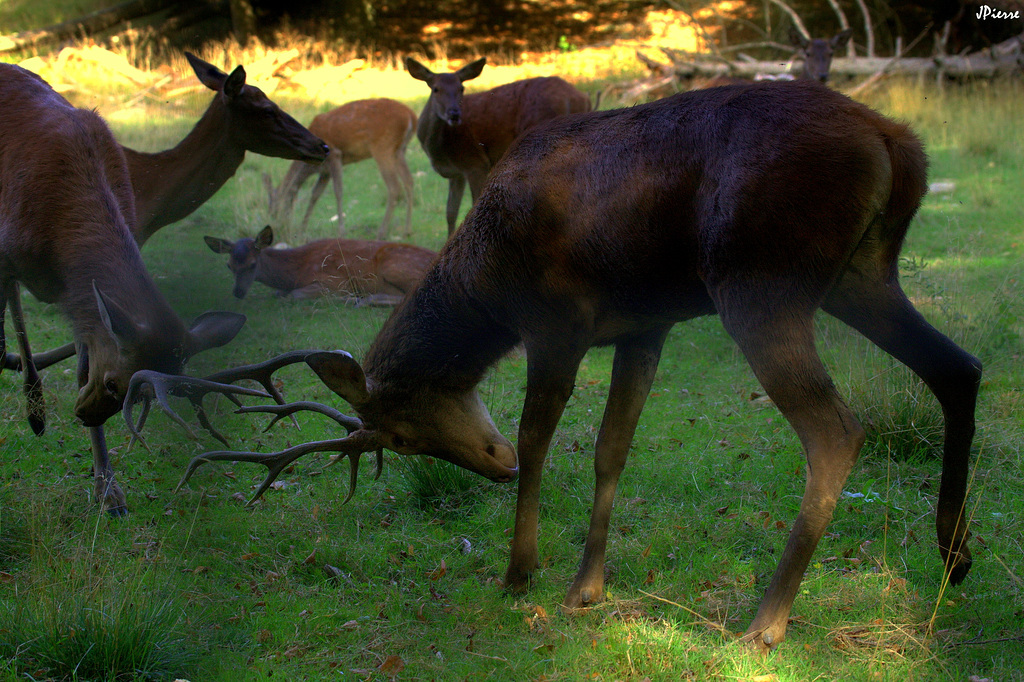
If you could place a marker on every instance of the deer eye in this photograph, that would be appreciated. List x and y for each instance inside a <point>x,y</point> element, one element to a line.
<point>399,442</point>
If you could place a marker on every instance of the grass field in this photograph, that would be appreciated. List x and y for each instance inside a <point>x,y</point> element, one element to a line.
<point>403,582</point>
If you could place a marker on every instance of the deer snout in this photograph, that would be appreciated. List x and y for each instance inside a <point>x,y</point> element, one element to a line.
<point>504,463</point>
<point>453,117</point>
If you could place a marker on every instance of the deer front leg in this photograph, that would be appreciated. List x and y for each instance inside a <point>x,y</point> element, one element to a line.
<point>549,383</point>
<point>633,370</point>
<point>33,384</point>
<point>456,187</point>
<point>108,493</point>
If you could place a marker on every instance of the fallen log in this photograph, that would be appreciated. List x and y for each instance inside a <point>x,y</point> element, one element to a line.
<point>91,23</point>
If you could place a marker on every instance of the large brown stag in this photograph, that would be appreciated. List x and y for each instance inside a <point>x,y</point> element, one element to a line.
<point>761,203</point>
<point>66,208</point>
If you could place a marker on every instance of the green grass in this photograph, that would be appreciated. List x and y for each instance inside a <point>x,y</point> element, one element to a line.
<point>703,509</point>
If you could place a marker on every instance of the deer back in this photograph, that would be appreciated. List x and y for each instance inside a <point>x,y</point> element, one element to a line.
<point>498,116</point>
<point>65,209</point>
<point>366,128</point>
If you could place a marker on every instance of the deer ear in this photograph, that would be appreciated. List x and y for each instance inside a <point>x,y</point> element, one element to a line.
<point>212,330</point>
<point>208,74</point>
<point>342,374</point>
<point>265,238</point>
<point>797,38</point>
<point>840,39</point>
<point>471,70</point>
<point>233,85</point>
<point>125,332</point>
<point>218,245</point>
<point>417,70</point>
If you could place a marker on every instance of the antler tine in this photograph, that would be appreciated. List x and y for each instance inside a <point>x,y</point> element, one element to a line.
<point>147,385</point>
<point>276,462</point>
<point>262,373</point>
<point>288,409</point>
<point>354,469</point>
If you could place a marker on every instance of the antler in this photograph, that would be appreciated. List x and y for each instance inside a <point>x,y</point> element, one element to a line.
<point>352,446</point>
<point>146,386</point>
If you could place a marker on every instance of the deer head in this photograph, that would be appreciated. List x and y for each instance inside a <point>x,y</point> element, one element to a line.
<point>446,89</point>
<point>249,109</point>
<point>109,357</point>
<point>818,52</point>
<point>455,427</point>
<point>243,257</point>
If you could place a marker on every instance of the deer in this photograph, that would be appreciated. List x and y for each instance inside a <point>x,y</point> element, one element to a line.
<point>171,184</point>
<point>368,128</point>
<point>608,228</point>
<point>366,272</point>
<point>66,210</point>
<point>465,136</point>
<point>817,53</point>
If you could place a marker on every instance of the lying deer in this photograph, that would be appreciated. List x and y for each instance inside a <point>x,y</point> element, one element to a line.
<point>171,184</point>
<point>378,128</point>
<point>369,272</point>
<point>66,208</point>
<point>465,136</point>
<point>607,229</point>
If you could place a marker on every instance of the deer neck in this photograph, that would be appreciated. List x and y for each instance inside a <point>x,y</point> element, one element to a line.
<point>440,337</point>
<point>171,184</point>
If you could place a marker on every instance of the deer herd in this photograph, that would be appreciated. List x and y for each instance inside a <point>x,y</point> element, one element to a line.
<point>587,228</point>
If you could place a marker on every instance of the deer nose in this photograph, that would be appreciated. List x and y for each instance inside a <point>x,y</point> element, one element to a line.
<point>454,117</point>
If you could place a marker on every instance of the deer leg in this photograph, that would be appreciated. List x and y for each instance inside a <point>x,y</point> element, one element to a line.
<point>31,380</point>
<point>550,376</point>
<point>405,178</point>
<point>635,364</point>
<point>782,354</point>
<point>108,493</point>
<point>881,312</point>
<point>456,186</point>
<point>314,196</point>
<point>387,173</point>
<point>336,166</point>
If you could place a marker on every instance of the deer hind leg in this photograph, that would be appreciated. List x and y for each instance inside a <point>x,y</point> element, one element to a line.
<point>879,310</point>
<point>336,165</point>
<point>633,369</point>
<point>405,178</point>
<point>394,189</point>
<point>33,384</point>
<point>782,354</point>
<point>550,375</point>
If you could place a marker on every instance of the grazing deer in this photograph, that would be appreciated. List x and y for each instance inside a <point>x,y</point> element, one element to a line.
<point>65,213</point>
<point>369,272</point>
<point>465,136</point>
<point>171,184</point>
<point>817,53</point>
<point>607,229</point>
<point>378,128</point>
